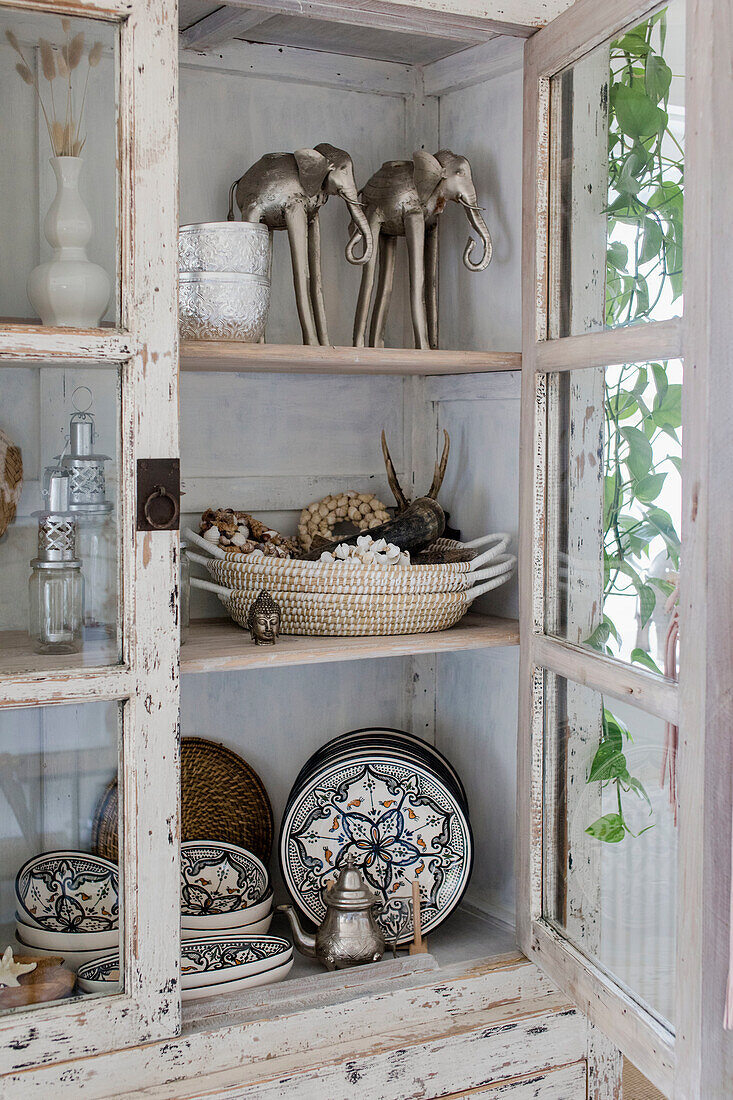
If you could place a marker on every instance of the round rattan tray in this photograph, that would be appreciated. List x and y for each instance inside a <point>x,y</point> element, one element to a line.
<point>222,798</point>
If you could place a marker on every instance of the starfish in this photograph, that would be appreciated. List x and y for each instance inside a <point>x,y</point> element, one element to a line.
<point>10,970</point>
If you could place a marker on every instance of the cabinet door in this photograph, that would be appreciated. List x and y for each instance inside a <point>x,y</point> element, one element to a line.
<point>623,847</point>
<point>96,705</point>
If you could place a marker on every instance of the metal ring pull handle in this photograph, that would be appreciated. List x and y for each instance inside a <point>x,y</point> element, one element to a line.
<point>161,493</point>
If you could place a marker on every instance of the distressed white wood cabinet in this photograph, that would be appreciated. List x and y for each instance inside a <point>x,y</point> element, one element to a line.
<point>569,949</point>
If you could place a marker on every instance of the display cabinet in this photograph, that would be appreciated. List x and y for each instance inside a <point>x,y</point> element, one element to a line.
<point>586,412</point>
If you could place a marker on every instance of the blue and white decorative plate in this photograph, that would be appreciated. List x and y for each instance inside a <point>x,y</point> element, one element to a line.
<point>383,737</point>
<point>219,878</point>
<point>69,892</point>
<point>397,819</point>
<point>213,959</point>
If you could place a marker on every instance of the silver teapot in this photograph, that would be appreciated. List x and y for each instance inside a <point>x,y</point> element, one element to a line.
<point>349,934</point>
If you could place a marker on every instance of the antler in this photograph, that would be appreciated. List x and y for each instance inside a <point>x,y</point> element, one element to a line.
<point>402,501</point>
<point>440,468</point>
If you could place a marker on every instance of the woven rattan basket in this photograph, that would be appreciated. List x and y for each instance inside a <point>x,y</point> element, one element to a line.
<point>222,798</point>
<point>340,599</point>
<point>11,481</point>
<point>239,571</point>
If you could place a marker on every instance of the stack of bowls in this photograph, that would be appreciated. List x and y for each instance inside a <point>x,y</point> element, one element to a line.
<point>68,905</point>
<point>224,890</point>
<point>224,281</point>
<point>210,966</point>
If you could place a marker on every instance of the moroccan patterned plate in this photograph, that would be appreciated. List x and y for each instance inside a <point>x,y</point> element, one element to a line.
<point>213,959</point>
<point>398,819</point>
<point>219,878</point>
<point>267,977</point>
<point>406,744</point>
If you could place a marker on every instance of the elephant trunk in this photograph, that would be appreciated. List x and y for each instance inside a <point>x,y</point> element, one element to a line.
<point>481,230</point>
<point>361,231</point>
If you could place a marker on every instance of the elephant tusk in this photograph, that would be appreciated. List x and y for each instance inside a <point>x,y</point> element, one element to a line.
<point>468,205</point>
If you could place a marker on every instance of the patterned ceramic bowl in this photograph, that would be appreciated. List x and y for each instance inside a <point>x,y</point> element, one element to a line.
<point>267,977</point>
<point>66,941</point>
<point>100,976</point>
<point>257,927</point>
<point>243,247</point>
<point>222,306</point>
<point>69,892</point>
<point>220,879</point>
<point>210,960</point>
<point>73,959</point>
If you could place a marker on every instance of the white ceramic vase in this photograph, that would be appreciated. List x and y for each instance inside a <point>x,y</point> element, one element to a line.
<point>68,290</point>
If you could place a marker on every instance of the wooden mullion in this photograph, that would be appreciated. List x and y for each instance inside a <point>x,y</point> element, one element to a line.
<point>609,676</point>
<point>59,346</point>
<point>148,123</point>
<point>585,25</point>
<point>75,686</point>
<point>641,1037</point>
<point>84,9</point>
<point>634,344</point>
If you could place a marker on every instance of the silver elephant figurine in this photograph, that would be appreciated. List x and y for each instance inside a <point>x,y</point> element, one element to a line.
<point>286,191</point>
<point>405,199</point>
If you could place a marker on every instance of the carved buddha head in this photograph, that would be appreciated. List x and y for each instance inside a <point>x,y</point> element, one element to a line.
<point>264,619</point>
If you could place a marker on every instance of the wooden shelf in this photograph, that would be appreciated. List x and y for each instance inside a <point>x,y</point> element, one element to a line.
<point>232,356</point>
<point>17,656</point>
<point>214,645</point>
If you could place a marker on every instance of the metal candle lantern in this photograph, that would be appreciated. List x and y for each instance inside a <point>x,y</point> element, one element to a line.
<point>56,586</point>
<point>96,529</point>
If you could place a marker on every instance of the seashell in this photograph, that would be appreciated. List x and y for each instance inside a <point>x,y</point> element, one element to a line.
<point>341,551</point>
<point>381,545</point>
<point>243,529</point>
<point>375,522</point>
<point>364,508</point>
<point>212,535</point>
<point>325,556</point>
<point>239,540</point>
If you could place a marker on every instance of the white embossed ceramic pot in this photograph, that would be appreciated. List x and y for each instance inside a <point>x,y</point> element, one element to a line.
<point>68,290</point>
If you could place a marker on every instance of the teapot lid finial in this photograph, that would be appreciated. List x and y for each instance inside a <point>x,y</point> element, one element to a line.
<point>350,891</point>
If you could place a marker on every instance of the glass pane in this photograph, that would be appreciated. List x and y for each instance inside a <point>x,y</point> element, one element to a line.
<point>59,545</point>
<point>614,502</point>
<point>60,900</point>
<point>58,169</point>
<point>618,118</point>
<point>610,839</point>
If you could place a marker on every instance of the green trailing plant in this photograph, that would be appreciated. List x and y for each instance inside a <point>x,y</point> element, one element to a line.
<point>642,406</point>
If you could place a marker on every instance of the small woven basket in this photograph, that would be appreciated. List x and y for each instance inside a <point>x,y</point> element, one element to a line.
<point>222,798</point>
<point>11,481</point>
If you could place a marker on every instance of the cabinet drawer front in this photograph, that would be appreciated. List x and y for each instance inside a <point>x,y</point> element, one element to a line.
<point>566,1083</point>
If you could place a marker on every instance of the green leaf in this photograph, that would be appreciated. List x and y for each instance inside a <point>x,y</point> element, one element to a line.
<point>661,381</point>
<point>667,411</point>
<point>648,488</point>
<point>613,729</point>
<point>641,657</point>
<point>609,829</point>
<point>638,786</point>
<point>637,114</point>
<point>647,603</point>
<point>608,763</point>
<point>640,455</point>
<point>633,42</point>
<point>657,77</point>
<point>642,295</point>
<point>653,241</point>
<point>617,255</point>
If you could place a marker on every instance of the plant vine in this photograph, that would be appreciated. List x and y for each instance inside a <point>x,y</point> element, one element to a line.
<point>642,406</point>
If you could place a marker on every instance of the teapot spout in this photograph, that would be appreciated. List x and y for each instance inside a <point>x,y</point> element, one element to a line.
<point>304,941</point>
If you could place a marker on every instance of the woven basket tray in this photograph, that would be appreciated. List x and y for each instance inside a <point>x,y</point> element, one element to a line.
<point>240,571</point>
<point>222,798</point>
<point>11,481</point>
